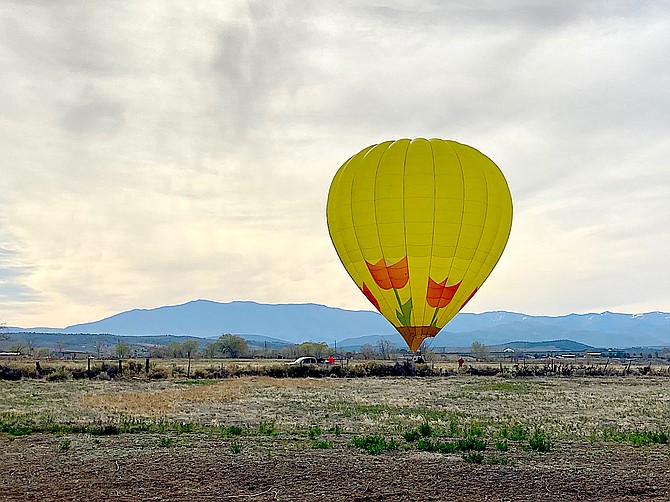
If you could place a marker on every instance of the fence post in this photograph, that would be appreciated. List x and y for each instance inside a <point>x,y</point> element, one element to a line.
<point>146,366</point>
<point>88,367</point>
<point>120,367</point>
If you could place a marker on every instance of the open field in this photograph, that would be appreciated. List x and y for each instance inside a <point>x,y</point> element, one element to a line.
<point>260,438</point>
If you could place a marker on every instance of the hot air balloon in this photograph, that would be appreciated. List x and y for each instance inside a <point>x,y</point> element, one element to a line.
<point>419,225</point>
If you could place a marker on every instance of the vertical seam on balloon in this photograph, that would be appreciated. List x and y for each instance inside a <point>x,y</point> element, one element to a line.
<point>486,214</point>
<point>432,239</point>
<point>351,217</point>
<point>332,190</point>
<point>479,281</point>
<point>460,227</point>
<point>379,239</point>
<point>351,205</point>
<point>481,274</point>
<point>351,212</point>
<point>404,226</point>
<point>500,225</point>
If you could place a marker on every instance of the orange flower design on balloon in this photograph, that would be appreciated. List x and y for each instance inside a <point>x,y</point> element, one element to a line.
<point>368,294</point>
<point>393,276</point>
<point>389,276</point>
<point>439,294</point>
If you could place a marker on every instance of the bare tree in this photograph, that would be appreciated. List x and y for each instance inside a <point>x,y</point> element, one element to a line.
<point>228,345</point>
<point>479,351</point>
<point>122,350</point>
<point>19,348</point>
<point>315,349</point>
<point>367,350</point>
<point>385,348</point>
<point>189,348</point>
<point>426,350</point>
<point>100,345</point>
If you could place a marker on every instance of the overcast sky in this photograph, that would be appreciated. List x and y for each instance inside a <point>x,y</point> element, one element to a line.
<point>158,152</point>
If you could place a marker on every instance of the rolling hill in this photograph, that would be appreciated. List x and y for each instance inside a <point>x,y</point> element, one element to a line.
<point>296,323</point>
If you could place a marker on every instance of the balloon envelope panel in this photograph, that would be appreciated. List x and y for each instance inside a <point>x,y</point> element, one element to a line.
<point>419,225</point>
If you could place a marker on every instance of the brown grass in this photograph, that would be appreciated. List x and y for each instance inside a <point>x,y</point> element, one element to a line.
<point>177,399</point>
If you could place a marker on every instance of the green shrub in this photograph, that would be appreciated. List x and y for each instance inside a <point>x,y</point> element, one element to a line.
<point>474,430</point>
<point>424,445</point>
<point>14,429</point>
<point>471,443</point>
<point>323,445</point>
<point>166,441</point>
<point>267,429</point>
<point>442,447</point>
<point>373,444</point>
<point>102,375</point>
<point>454,429</point>
<point>473,457</point>
<point>235,447</point>
<point>104,430</point>
<point>199,374</point>
<point>314,432</point>
<point>499,460</point>
<point>300,370</point>
<point>641,438</point>
<point>336,429</point>
<point>65,444</point>
<point>233,430</point>
<point>9,373</point>
<point>502,446</point>
<point>134,425</point>
<point>425,430</point>
<point>183,427</point>
<point>159,373</point>
<point>540,441</point>
<point>60,375</point>
<point>411,436</point>
<point>518,433</point>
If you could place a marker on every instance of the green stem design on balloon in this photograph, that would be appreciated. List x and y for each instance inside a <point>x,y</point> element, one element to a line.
<point>433,321</point>
<point>405,313</point>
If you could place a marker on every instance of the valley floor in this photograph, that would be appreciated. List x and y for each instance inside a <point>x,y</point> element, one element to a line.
<point>260,438</point>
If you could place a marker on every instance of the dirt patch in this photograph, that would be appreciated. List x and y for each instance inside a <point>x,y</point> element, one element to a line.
<point>137,468</point>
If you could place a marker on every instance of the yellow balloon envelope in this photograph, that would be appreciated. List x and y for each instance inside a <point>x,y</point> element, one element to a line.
<point>419,225</point>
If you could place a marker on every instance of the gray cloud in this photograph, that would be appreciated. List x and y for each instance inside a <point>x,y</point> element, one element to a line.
<point>161,151</point>
<point>13,273</point>
<point>93,112</point>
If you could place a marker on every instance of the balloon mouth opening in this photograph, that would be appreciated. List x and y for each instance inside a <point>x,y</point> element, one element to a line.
<point>415,335</point>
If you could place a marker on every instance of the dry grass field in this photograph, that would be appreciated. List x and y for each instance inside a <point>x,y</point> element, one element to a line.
<point>260,438</point>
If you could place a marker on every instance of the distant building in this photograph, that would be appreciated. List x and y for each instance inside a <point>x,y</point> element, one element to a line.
<point>72,354</point>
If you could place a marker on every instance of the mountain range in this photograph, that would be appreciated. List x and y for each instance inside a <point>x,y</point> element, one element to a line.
<point>295,323</point>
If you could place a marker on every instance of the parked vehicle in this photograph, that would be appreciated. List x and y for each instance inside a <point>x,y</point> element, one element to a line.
<point>303,360</point>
